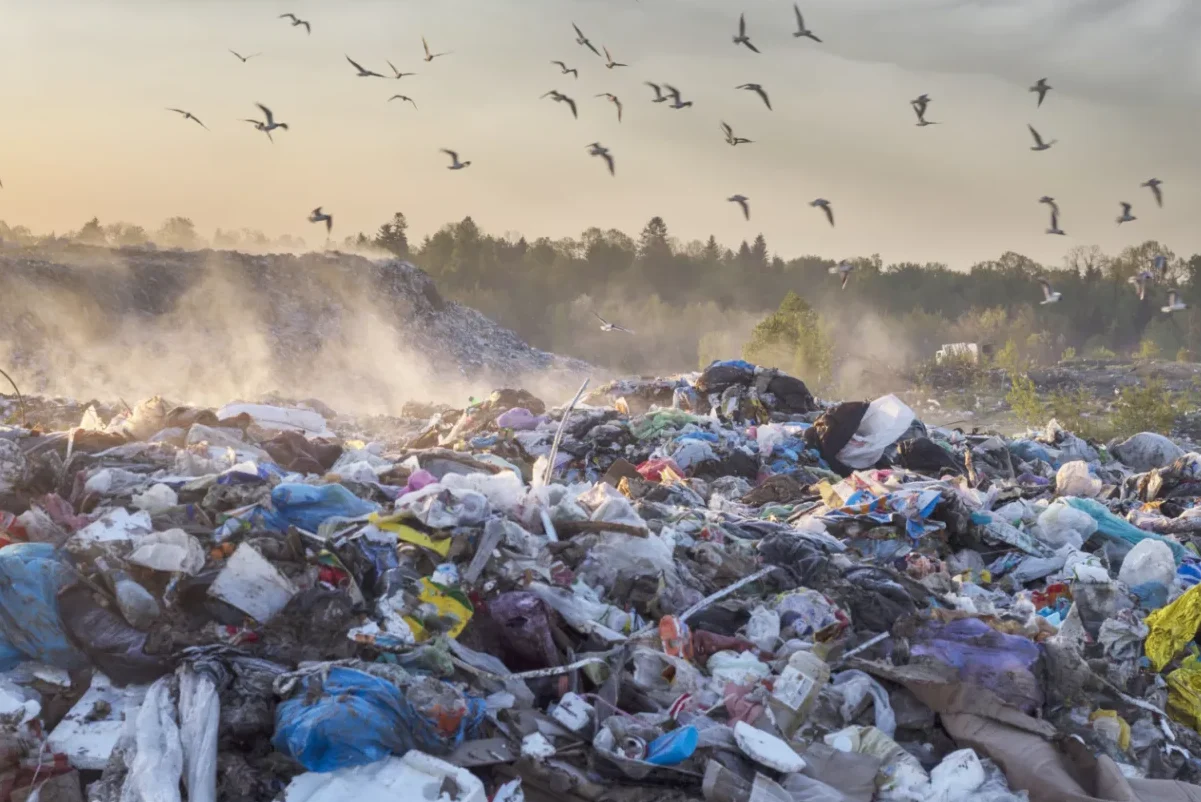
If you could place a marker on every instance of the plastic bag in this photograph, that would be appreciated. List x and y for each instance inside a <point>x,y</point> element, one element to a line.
<point>112,646</point>
<point>504,490</point>
<point>31,577</point>
<point>441,507</point>
<point>763,629</point>
<point>1119,531</point>
<point>157,764</point>
<point>1001,663</point>
<point>1147,451</point>
<point>1172,627</point>
<point>416,777</point>
<point>855,686</point>
<point>518,419</point>
<point>1061,525</point>
<point>356,719</point>
<point>1149,562</point>
<point>308,506</point>
<point>1075,479</point>
<point>200,717</point>
<point>174,551</point>
<point>158,498</point>
<point>253,585</point>
<point>885,421</point>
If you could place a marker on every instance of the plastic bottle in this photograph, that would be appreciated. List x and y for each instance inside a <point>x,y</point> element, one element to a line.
<point>137,605</point>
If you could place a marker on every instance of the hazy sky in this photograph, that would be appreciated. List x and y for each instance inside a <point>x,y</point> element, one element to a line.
<point>85,131</point>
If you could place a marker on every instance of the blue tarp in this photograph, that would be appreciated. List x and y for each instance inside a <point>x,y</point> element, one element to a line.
<point>31,575</point>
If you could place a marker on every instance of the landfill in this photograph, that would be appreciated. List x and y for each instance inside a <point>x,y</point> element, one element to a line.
<point>710,587</point>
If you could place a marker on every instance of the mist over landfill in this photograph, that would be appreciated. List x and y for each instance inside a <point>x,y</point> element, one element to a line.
<point>817,467</point>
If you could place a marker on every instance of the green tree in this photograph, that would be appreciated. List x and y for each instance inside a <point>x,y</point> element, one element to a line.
<point>393,236</point>
<point>178,232</point>
<point>92,233</point>
<point>793,339</point>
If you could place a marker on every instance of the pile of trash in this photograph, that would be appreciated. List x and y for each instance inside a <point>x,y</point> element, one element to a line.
<point>715,587</point>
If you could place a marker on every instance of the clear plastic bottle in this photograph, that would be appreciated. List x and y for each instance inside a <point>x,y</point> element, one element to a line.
<point>137,605</point>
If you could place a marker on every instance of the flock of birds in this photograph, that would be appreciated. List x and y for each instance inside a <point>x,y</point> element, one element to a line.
<point>665,93</point>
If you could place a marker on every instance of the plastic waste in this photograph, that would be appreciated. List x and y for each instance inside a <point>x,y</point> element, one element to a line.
<point>899,770</point>
<point>173,550</point>
<point>1172,627</point>
<point>308,506</point>
<point>518,419</point>
<point>1121,533</point>
<point>158,498</point>
<point>306,421</point>
<point>200,718</point>
<point>884,422</point>
<point>1060,525</point>
<point>763,629</point>
<point>1002,663</point>
<point>1149,571</point>
<point>1075,479</point>
<point>137,605</point>
<point>416,777</point>
<point>672,747</point>
<point>31,577</point>
<point>856,686</point>
<point>157,765</point>
<point>441,507</point>
<point>253,585</point>
<point>1147,451</point>
<point>767,749</point>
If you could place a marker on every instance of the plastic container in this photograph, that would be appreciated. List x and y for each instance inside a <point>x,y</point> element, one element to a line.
<point>137,605</point>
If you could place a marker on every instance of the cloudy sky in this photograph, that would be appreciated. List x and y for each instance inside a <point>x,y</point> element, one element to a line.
<point>85,131</point>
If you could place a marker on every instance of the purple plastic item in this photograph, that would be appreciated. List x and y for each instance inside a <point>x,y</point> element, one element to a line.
<point>1001,663</point>
<point>519,419</point>
<point>418,479</point>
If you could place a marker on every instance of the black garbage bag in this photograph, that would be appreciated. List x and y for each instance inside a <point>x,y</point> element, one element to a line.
<point>923,455</point>
<point>833,430</point>
<point>876,598</point>
<point>721,375</point>
<point>114,647</point>
<point>791,395</point>
<point>801,559</point>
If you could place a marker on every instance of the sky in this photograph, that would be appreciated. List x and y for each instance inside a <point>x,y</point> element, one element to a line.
<point>86,133</point>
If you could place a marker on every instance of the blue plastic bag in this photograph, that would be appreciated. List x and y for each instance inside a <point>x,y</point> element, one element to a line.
<point>1119,529</point>
<point>1001,663</point>
<point>358,719</point>
<point>308,506</point>
<point>31,575</point>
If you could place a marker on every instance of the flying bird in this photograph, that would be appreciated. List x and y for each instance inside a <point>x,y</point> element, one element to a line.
<point>1042,87</point>
<point>455,163</point>
<point>1126,216</point>
<point>297,21</point>
<point>403,97</point>
<point>659,96</point>
<point>1039,144</point>
<point>675,93</point>
<point>741,200</point>
<point>607,326</point>
<point>801,30</point>
<point>1174,304</point>
<point>919,104</point>
<point>1050,296</point>
<point>613,99</point>
<point>362,72</point>
<point>397,73</point>
<point>244,59</point>
<point>269,125</point>
<point>1154,185</point>
<point>1140,281</point>
<point>922,122</point>
<point>825,206</point>
<point>742,38</point>
<point>843,269</point>
<point>757,89</point>
<point>1047,199</point>
<point>431,56</point>
<point>187,115</point>
<point>1160,263</point>
<point>731,139</point>
<point>566,70</point>
<point>319,217</point>
<point>610,63</point>
<point>1055,229</point>
<point>559,97</point>
<point>597,149</point>
<point>581,39</point>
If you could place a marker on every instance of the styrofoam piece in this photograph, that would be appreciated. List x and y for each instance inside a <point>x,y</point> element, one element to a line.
<point>88,733</point>
<point>253,585</point>
<point>416,777</point>
<point>767,749</point>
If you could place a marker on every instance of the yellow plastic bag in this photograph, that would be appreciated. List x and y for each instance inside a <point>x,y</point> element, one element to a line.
<point>1184,693</point>
<point>1172,627</point>
<point>408,534</point>
<point>448,603</point>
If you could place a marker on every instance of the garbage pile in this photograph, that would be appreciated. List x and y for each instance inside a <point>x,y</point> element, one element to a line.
<point>712,588</point>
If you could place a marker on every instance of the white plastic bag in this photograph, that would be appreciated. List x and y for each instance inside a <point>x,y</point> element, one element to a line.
<point>1149,561</point>
<point>253,585</point>
<point>883,424</point>
<point>173,551</point>
<point>200,714</point>
<point>157,766</point>
<point>1074,479</point>
<point>1061,525</point>
<point>158,498</point>
<point>1146,451</point>
<point>763,629</point>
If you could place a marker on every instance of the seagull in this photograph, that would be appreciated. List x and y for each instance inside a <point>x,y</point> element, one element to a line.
<point>1049,295</point>
<point>559,97</point>
<point>1154,185</point>
<point>742,38</point>
<point>801,30</point>
<point>403,97</point>
<point>317,216</point>
<point>187,115</point>
<point>456,164</point>
<point>730,138</point>
<point>659,97</point>
<point>613,99</point>
<point>825,205</point>
<point>1160,263</point>
<point>431,56</point>
<point>260,126</point>
<point>1047,199</point>
<point>843,269</point>
<point>919,104</point>
<point>1126,215</point>
<point>397,73</point>
<point>597,149</point>
<point>268,126</point>
<point>296,21</point>
<point>245,59</point>
<point>758,90</point>
<point>567,69</point>
<point>741,200</point>
<point>675,93</point>
<point>1140,281</point>
<point>1038,140</point>
<point>581,39</point>
<point>1174,304</point>
<point>609,62</point>
<point>362,72</point>
<point>1042,88</point>
<point>922,122</point>
<point>607,326</point>
<point>1055,229</point>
